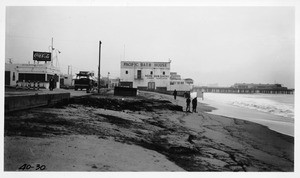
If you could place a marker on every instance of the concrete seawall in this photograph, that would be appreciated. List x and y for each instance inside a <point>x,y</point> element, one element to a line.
<point>14,103</point>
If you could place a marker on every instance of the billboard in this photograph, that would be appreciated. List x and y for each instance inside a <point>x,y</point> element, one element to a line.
<point>41,56</point>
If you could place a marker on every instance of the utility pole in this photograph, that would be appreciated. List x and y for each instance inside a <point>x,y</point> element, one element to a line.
<point>99,67</point>
<point>52,51</point>
<point>108,80</point>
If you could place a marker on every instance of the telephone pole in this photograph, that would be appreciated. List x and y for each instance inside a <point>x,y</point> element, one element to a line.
<point>99,67</point>
<point>52,51</point>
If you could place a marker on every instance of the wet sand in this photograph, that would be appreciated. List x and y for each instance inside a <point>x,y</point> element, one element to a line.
<point>146,133</point>
<point>276,123</point>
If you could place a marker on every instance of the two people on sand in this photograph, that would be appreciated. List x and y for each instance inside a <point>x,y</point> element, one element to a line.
<point>188,103</point>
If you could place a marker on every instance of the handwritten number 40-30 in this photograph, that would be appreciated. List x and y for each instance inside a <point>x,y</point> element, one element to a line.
<point>28,166</point>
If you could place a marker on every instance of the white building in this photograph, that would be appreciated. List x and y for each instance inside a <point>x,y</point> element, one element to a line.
<point>178,84</point>
<point>113,83</point>
<point>152,76</point>
<point>24,73</point>
<point>145,75</point>
<point>66,80</point>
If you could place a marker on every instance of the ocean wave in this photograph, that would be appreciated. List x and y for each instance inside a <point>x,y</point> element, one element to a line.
<point>280,105</point>
<point>275,109</point>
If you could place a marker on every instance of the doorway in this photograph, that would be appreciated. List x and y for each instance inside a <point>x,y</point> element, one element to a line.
<point>151,85</point>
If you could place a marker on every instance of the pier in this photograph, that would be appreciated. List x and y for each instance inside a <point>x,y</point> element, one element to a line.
<point>244,91</point>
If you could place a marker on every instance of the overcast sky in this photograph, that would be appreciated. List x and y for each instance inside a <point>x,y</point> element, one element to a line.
<point>223,45</point>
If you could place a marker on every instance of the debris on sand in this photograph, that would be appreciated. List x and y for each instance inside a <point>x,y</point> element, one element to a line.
<point>192,142</point>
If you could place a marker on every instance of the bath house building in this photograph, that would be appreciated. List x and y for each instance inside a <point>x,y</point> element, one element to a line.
<point>150,76</point>
<point>145,75</point>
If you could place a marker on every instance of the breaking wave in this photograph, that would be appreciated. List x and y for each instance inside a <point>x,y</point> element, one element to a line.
<point>280,105</point>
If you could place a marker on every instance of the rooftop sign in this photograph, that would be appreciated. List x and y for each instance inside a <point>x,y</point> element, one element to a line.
<point>41,56</point>
<point>133,64</point>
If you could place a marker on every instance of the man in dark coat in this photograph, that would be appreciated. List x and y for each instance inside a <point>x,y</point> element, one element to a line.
<point>175,94</point>
<point>188,102</point>
<point>51,83</point>
<point>194,104</point>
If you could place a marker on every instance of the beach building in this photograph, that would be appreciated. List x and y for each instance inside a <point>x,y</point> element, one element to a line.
<point>178,84</point>
<point>66,80</point>
<point>11,74</point>
<point>145,75</point>
<point>110,82</point>
<point>152,76</point>
<point>114,82</point>
<point>189,81</point>
<point>175,76</point>
<point>25,73</point>
<point>37,74</point>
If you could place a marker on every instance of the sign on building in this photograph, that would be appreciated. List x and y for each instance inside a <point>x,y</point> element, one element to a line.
<point>145,65</point>
<point>41,56</point>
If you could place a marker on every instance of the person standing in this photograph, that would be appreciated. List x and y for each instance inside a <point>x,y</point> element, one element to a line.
<point>188,104</point>
<point>55,80</point>
<point>51,83</point>
<point>175,94</point>
<point>194,104</point>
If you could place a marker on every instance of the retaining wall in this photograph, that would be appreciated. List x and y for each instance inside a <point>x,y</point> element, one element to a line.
<point>14,103</point>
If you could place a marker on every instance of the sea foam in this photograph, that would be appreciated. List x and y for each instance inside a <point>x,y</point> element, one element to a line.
<point>280,105</point>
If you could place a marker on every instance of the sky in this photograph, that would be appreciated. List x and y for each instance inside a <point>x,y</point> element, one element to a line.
<point>210,44</point>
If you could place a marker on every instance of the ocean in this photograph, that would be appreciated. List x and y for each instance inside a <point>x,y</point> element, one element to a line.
<point>273,110</point>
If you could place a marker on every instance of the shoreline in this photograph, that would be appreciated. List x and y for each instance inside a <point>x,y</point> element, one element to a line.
<point>82,135</point>
<point>273,122</point>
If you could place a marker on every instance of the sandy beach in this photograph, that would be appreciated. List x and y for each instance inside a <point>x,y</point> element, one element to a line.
<point>150,132</point>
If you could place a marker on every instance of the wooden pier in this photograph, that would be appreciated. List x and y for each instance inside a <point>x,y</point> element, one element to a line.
<point>244,91</point>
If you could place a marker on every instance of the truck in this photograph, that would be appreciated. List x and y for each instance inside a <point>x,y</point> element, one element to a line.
<point>85,80</point>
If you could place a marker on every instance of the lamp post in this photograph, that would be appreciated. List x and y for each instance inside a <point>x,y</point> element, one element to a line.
<point>99,67</point>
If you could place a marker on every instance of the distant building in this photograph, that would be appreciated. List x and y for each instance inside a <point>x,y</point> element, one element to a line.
<point>24,73</point>
<point>189,81</point>
<point>114,82</point>
<point>110,82</point>
<point>66,80</point>
<point>176,83</point>
<point>174,76</point>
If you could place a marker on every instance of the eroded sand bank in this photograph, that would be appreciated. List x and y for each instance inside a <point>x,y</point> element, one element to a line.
<point>147,133</point>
